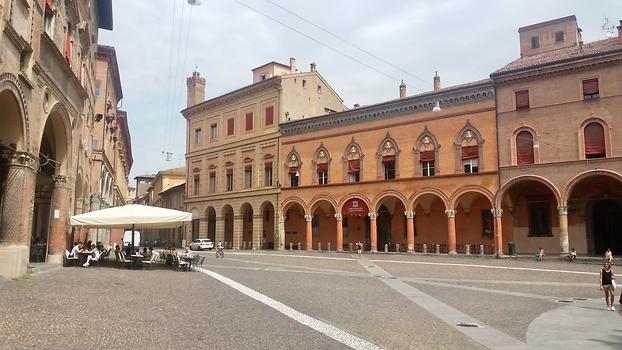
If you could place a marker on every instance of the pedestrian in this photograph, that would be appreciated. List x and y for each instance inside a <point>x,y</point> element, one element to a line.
<point>609,256</point>
<point>573,255</point>
<point>359,247</point>
<point>540,254</point>
<point>607,284</point>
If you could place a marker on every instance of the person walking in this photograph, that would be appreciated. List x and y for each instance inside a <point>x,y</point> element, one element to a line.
<point>609,256</point>
<point>359,247</point>
<point>607,284</point>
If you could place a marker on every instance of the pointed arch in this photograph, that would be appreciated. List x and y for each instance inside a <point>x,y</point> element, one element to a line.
<point>293,168</point>
<point>320,165</point>
<point>353,158</point>
<point>426,151</point>
<point>469,146</point>
<point>388,159</point>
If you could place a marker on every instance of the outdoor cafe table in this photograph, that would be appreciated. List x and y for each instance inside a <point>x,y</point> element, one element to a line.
<point>189,259</point>
<point>136,258</point>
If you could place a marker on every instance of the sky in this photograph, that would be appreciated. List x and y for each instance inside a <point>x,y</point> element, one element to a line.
<point>160,42</point>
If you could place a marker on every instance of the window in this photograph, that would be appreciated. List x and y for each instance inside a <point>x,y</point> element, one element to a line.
<point>524,148</point>
<point>559,36</point>
<point>539,219</point>
<point>319,89</point>
<point>388,162</point>
<point>196,184</point>
<point>470,166</point>
<point>315,226</point>
<point>354,169</point>
<point>594,138</point>
<point>322,173</point>
<point>197,136</point>
<point>249,121</point>
<point>263,76</point>
<point>590,89</point>
<point>522,99</point>
<point>97,88</point>
<point>426,158</point>
<point>294,176</point>
<point>229,179</point>
<point>213,131</point>
<point>48,21</point>
<point>248,176</point>
<point>269,115</point>
<point>68,45</point>
<point>212,182</point>
<point>268,174</point>
<point>487,224</point>
<point>230,126</point>
<point>535,42</point>
<point>470,155</point>
<point>304,83</point>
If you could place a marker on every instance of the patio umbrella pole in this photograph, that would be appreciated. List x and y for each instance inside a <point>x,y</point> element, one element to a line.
<point>133,227</point>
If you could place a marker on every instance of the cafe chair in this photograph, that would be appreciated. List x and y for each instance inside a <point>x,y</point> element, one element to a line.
<point>152,260</point>
<point>181,264</point>
<point>70,261</point>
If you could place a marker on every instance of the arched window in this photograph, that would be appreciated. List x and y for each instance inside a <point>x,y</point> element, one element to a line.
<point>426,154</point>
<point>469,150</point>
<point>229,176</point>
<point>293,169</point>
<point>353,162</point>
<point>388,156</point>
<point>594,138</point>
<point>321,163</point>
<point>524,148</point>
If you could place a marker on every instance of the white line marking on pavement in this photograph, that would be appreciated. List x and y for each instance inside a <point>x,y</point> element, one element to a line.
<point>292,256</point>
<point>485,266</point>
<point>331,331</point>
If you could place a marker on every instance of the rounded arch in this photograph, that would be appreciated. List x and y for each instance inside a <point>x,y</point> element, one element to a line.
<point>453,201</point>
<point>266,205</point>
<point>57,129</point>
<point>195,213</point>
<point>389,193</point>
<point>416,197</point>
<point>245,207</point>
<point>536,143</point>
<point>606,131</point>
<point>289,202</point>
<point>575,180</point>
<point>226,209</point>
<point>315,202</point>
<point>12,99</point>
<point>498,198</point>
<point>349,196</point>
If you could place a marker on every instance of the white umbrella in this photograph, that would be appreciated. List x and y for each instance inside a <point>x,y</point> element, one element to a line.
<point>131,215</point>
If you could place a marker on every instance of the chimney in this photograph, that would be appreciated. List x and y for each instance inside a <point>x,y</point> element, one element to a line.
<point>356,105</point>
<point>402,90</point>
<point>292,65</point>
<point>437,81</point>
<point>313,67</point>
<point>620,31</point>
<point>196,89</point>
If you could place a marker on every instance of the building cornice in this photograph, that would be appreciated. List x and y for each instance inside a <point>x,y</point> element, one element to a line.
<point>109,54</point>
<point>449,97</point>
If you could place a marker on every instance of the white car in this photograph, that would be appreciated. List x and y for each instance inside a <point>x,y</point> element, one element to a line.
<point>201,244</point>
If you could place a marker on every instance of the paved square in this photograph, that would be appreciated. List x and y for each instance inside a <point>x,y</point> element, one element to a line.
<point>264,300</point>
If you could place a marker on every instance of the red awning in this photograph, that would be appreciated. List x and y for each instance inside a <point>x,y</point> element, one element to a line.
<point>354,207</point>
<point>388,159</point>
<point>354,165</point>
<point>293,169</point>
<point>322,167</point>
<point>426,156</point>
<point>268,166</point>
<point>470,152</point>
<point>248,167</point>
<point>229,171</point>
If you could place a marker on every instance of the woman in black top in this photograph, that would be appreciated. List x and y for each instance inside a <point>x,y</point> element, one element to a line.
<point>606,284</point>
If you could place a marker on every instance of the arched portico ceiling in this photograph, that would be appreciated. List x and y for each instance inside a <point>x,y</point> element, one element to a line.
<point>465,196</point>
<point>390,199</point>
<point>596,176</point>
<point>14,114</point>
<point>524,180</point>
<point>324,202</point>
<point>426,197</point>
<point>293,201</point>
<point>57,131</point>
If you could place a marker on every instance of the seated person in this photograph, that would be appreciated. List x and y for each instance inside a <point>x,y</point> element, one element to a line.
<point>147,253</point>
<point>573,255</point>
<point>93,256</point>
<point>75,250</point>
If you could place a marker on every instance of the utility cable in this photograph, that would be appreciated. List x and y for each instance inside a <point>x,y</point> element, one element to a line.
<point>170,77</point>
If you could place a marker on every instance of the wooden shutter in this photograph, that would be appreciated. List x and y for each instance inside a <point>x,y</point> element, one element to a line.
<point>249,121</point>
<point>522,99</point>
<point>230,126</point>
<point>270,115</point>
<point>524,148</point>
<point>590,86</point>
<point>470,152</point>
<point>594,136</point>
<point>426,156</point>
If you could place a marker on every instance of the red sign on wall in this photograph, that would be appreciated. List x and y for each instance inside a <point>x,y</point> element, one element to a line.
<point>355,207</point>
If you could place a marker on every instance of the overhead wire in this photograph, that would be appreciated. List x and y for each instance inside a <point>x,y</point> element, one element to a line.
<point>170,77</point>
<point>347,41</point>
<point>318,41</point>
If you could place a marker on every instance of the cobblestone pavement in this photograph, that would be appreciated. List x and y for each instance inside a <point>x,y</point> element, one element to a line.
<point>287,300</point>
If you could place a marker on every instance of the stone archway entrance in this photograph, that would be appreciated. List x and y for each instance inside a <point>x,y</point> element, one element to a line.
<point>247,225</point>
<point>211,224</point>
<point>607,226</point>
<point>227,213</point>
<point>267,236</point>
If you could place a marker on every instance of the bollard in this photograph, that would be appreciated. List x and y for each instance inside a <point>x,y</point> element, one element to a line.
<point>319,246</point>
<point>328,247</point>
<point>386,248</point>
<point>291,246</point>
<point>397,247</point>
<point>467,249</point>
<point>492,249</point>
<point>350,246</point>
<point>481,249</point>
<point>437,248</point>
<point>425,248</point>
<point>299,245</point>
<point>226,246</point>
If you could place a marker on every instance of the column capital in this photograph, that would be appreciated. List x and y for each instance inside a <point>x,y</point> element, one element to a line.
<point>338,217</point>
<point>563,210</point>
<point>373,216</point>
<point>63,181</point>
<point>309,217</point>
<point>22,159</point>
<point>409,214</point>
<point>451,213</point>
<point>496,212</point>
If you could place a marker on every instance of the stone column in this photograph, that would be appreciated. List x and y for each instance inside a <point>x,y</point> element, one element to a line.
<point>410,230</point>
<point>451,230</point>
<point>238,226</point>
<point>16,211</point>
<point>279,239</point>
<point>309,231</point>
<point>373,233</point>
<point>58,230</point>
<point>339,219</point>
<point>220,229</point>
<point>498,227</point>
<point>563,228</point>
<point>257,231</point>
